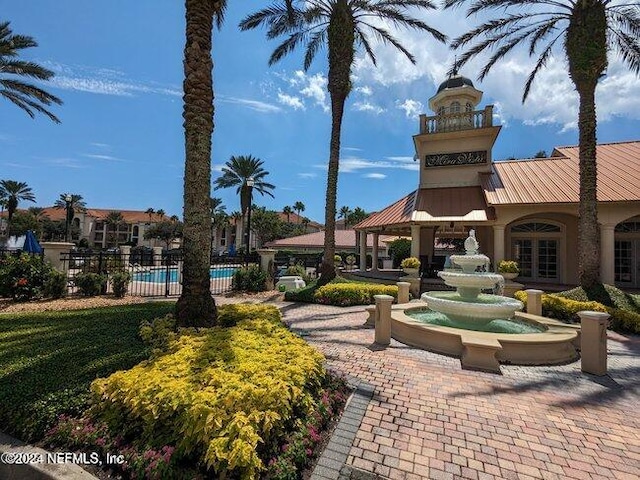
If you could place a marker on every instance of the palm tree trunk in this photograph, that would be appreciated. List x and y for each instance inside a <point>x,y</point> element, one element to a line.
<point>588,228</point>
<point>341,52</point>
<point>196,307</point>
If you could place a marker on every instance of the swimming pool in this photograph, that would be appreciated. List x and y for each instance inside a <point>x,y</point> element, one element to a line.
<point>160,275</point>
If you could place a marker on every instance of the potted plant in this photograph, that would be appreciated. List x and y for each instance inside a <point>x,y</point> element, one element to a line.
<point>508,269</point>
<point>410,266</point>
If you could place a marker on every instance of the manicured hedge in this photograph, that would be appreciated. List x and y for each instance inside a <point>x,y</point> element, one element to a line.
<point>219,395</point>
<point>346,294</point>
<point>566,309</point>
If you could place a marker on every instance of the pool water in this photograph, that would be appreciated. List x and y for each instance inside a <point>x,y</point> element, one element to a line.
<point>499,325</point>
<point>160,275</point>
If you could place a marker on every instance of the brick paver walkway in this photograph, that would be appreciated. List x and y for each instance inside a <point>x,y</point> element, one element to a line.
<point>428,418</point>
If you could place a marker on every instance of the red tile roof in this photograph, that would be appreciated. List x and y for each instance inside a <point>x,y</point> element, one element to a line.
<point>344,239</point>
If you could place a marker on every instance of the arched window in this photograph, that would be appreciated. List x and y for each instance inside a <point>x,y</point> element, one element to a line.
<point>455,107</point>
<point>468,107</point>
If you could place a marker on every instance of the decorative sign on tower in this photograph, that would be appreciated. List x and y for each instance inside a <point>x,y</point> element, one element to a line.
<point>460,158</point>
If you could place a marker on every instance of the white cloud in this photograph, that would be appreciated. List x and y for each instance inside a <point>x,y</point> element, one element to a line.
<point>412,108</point>
<point>377,176</point>
<point>353,164</point>
<point>402,159</point>
<point>102,157</point>
<point>316,89</point>
<point>217,167</point>
<point>552,99</point>
<point>368,107</point>
<point>63,162</point>
<point>256,105</point>
<point>103,81</point>
<point>351,149</point>
<point>100,145</point>
<point>290,101</point>
<point>307,175</point>
<point>364,90</point>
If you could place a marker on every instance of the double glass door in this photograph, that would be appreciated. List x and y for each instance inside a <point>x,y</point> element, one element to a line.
<point>537,258</point>
<point>627,263</point>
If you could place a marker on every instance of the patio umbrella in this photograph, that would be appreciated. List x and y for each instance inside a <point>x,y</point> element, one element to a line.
<point>31,244</point>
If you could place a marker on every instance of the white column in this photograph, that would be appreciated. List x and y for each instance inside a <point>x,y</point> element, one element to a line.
<point>415,241</point>
<point>607,254</point>
<point>498,245</point>
<point>363,251</point>
<point>374,264</point>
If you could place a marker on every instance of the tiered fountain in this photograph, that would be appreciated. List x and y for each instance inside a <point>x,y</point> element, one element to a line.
<point>467,307</point>
<point>482,329</point>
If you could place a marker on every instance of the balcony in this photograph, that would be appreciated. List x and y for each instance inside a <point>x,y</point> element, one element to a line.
<point>453,122</point>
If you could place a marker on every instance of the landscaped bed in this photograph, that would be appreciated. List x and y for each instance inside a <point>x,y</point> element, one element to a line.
<point>245,400</point>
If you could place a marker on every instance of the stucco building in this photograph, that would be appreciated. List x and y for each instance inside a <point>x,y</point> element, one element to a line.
<point>524,210</point>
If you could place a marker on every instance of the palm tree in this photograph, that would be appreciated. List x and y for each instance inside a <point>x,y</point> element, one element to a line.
<point>196,307</point>
<point>341,25</point>
<point>71,203</point>
<point>344,213</point>
<point>25,95</point>
<point>219,217</point>
<point>287,211</point>
<point>236,173</point>
<point>160,214</point>
<point>299,207</point>
<point>13,193</point>
<point>114,219</point>
<point>150,211</point>
<point>587,30</point>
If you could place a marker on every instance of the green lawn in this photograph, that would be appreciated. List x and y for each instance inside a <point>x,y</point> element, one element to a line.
<point>48,360</point>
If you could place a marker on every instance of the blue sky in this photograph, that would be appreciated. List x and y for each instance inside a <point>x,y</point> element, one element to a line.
<point>118,70</point>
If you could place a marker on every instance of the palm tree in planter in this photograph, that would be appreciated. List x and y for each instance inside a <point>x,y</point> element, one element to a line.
<point>237,171</point>
<point>26,96</point>
<point>13,193</point>
<point>287,211</point>
<point>344,213</point>
<point>71,203</point>
<point>587,31</point>
<point>114,220</point>
<point>341,26</point>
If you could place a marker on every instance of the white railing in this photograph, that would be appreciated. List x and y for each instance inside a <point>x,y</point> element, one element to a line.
<point>451,122</point>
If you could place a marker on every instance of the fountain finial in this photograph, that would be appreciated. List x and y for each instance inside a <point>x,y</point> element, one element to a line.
<point>471,245</point>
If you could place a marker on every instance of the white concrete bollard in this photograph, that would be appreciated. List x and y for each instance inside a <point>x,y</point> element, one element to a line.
<point>534,301</point>
<point>593,349</point>
<point>403,292</point>
<point>383,319</point>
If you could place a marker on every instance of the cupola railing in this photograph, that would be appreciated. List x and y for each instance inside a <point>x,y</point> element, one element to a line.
<point>451,122</point>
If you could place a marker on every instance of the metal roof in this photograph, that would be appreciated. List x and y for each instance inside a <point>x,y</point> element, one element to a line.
<point>556,179</point>
<point>344,239</point>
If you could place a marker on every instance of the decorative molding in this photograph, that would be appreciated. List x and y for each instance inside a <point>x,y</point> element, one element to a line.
<point>453,159</point>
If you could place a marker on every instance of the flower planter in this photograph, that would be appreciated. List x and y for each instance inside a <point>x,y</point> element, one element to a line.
<point>509,276</point>
<point>412,272</point>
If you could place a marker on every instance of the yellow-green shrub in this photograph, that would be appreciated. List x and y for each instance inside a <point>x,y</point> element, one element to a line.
<point>566,309</point>
<point>218,394</point>
<point>346,294</point>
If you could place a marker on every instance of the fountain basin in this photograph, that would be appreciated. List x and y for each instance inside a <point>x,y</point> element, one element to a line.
<point>481,309</point>
<point>470,262</point>
<point>555,344</point>
<point>480,280</point>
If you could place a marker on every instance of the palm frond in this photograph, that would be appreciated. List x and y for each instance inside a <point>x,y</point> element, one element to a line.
<point>362,39</point>
<point>542,61</point>
<point>626,19</point>
<point>317,39</point>
<point>385,37</point>
<point>628,48</point>
<point>29,90</point>
<point>286,47</point>
<point>27,105</point>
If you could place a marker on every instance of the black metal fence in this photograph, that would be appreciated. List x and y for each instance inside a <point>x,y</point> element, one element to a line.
<point>159,275</point>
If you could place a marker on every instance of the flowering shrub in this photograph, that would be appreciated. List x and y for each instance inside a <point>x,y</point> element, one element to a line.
<point>565,309</point>
<point>347,294</point>
<point>410,262</point>
<point>508,266</point>
<point>23,277</point>
<point>217,395</point>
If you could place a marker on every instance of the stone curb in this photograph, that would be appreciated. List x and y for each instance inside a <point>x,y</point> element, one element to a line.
<point>331,461</point>
<point>39,470</point>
